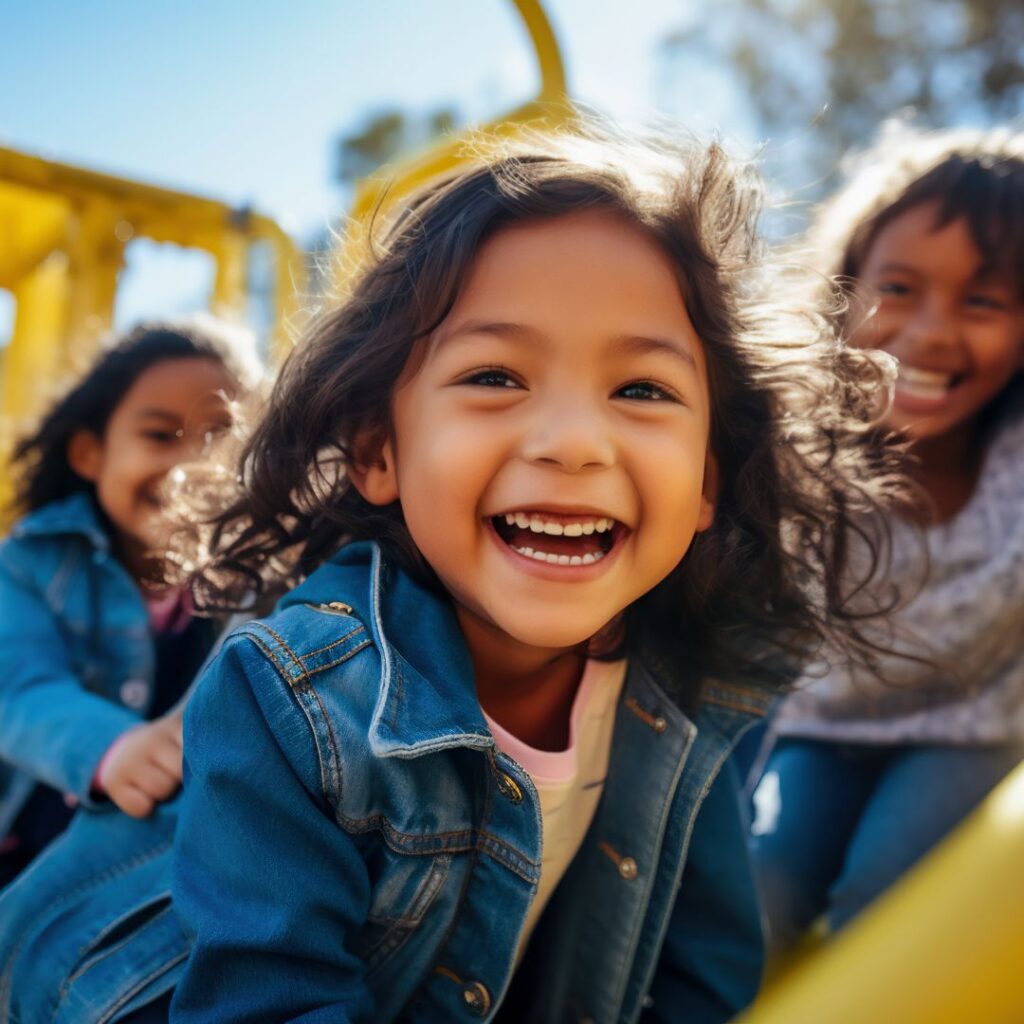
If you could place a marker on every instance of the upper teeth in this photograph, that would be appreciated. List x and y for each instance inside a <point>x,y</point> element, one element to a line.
<point>539,525</point>
<point>925,378</point>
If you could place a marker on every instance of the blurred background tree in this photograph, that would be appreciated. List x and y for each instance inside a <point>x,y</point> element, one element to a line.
<point>384,135</point>
<point>376,139</point>
<point>829,71</point>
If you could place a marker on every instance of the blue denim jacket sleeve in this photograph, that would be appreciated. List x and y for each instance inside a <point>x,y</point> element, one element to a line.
<point>51,727</point>
<point>714,950</point>
<point>269,886</point>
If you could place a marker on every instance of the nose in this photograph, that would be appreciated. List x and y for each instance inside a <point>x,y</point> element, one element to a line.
<point>570,434</point>
<point>933,324</point>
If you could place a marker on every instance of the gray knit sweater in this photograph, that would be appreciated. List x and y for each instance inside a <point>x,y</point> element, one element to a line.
<point>968,619</point>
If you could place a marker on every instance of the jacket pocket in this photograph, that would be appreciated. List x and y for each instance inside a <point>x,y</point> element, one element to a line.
<point>135,959</point>
<point>403,893</point>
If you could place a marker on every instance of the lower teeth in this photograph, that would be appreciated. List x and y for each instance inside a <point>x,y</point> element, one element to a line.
<point>543,556</point>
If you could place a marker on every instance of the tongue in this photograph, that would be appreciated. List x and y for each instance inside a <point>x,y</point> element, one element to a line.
<point>588,544</point>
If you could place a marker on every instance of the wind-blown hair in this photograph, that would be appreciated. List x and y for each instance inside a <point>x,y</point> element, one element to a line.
<point>974,175</point>
<point>790,422</point>
<point>969,174</point>
<point>40,459</point>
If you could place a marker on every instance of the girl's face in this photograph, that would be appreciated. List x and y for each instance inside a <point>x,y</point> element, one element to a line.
<point>958,334</point>
<point>163,419</point>
<point>549,448</point>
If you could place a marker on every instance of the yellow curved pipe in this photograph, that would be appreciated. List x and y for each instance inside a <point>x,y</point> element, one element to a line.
<point>943,947</point>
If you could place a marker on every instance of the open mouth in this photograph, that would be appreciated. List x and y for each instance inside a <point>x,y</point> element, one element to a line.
<point>559,539</point>
<point>926,385</point>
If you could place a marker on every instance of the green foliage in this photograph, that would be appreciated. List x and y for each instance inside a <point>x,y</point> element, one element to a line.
<point>386,135</point>
<point>836,68</point>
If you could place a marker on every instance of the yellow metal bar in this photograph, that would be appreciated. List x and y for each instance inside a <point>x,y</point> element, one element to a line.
<point>545,46</point>
<point>96,258</point>
<point>34,351</point>
<point>384,189</point>
<point>289,285</point>
<point>943,947</point>
<point>230,286</point>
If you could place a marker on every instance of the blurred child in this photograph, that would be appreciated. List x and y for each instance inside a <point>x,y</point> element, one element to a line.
<point>868,773</point>
<point>533,481</point>
<point>94,649</point>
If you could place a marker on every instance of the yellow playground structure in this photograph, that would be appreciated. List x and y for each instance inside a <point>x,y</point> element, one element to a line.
<point>64,232</point>
<point>942,948</point>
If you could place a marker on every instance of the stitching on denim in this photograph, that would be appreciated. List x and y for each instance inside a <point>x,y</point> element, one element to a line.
<point>338,661</point>
<point>398,691</point>
<point>132,993</point>
<point>96,958</point>
<point>284,643</point>
<point>400,928</point>
<point>716,766</point>
<point>335,643</point>
<point>84,886</point>
<point>378,823</point>
<point>755,696</point>
<point>737,706</point>
<point>306,689</point>
<point>272,655</point>
<point>474,839</point>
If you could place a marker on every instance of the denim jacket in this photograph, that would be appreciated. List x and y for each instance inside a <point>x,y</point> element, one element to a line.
<point>76,652</point>
<point>353,847</point>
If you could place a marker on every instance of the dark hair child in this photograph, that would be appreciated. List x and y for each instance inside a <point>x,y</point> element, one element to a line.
<point>94,649</point>
<point>868,774</point>
<point>563,496</point>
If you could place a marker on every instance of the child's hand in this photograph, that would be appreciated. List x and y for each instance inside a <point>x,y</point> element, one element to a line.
<point>143,767</point>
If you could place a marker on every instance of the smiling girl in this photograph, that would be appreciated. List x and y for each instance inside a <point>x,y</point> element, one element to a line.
<point>929,238</point>
<point>94,648</point>
<point>532,481</point>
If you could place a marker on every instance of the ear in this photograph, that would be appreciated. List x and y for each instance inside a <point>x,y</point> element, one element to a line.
<point>372,469</point>
<point>85,454</point>
<point>709,493</point>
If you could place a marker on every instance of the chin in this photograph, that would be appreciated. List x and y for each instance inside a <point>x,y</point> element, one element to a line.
<point>552,635</point>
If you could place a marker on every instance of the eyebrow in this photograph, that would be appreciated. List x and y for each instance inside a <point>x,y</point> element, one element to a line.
<point>635,344</point>
<point>161,414</point>
<point>640,344</point>
<point>985,277</point>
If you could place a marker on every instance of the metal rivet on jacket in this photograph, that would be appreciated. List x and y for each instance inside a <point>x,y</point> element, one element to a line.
<point>477,998</point>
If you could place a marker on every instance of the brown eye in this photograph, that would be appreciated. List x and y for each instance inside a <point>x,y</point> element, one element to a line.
<point>492,377</point>
<point>644,391</point>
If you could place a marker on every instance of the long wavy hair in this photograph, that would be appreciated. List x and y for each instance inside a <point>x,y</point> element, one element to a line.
<point>968,174</point>
<point>40,462</point>
<point>791,422</point>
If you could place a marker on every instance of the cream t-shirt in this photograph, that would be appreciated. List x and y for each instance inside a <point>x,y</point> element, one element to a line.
<point>569,782</point>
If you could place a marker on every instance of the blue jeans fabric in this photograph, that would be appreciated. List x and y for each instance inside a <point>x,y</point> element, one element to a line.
<point>87,933</point>
<point>336,833</point>
<point>852,818</point>
<point>353,847</point>
<point>77,658</point>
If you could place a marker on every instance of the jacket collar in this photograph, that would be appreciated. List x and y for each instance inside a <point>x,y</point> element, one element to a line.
<point>426,695</point>
<point>75,514</point>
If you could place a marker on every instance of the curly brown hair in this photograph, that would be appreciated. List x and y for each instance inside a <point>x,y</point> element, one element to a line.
<point>971,174</point>
<point>792,407</point>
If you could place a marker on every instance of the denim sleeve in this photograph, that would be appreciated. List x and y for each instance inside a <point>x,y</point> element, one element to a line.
<point>51,727</point>
<point>713,955</point>
<point>268,885</point>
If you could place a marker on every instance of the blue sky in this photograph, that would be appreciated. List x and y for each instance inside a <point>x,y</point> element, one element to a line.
<point>242,101</point>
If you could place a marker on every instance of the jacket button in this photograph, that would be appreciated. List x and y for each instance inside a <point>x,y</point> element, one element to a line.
<point>134,693</point>
<point>477,998</point>
<point>509,788</point>
<point>628,868</point>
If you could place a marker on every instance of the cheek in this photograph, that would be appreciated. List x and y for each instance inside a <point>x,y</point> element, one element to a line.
<point>997,352</point>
